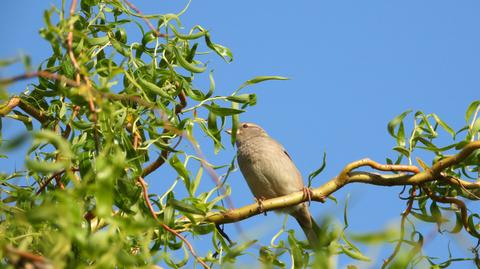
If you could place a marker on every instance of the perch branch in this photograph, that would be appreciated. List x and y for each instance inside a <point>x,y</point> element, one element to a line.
<point>345,177</point>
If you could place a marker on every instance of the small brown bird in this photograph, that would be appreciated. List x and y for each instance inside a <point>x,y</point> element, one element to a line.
<point>270,172</point>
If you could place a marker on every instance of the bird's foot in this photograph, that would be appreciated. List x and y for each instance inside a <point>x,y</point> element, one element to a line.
<point>307,192</point>
<point>260,204</point>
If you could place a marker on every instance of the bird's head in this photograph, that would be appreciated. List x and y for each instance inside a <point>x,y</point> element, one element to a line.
<point>247,130</point>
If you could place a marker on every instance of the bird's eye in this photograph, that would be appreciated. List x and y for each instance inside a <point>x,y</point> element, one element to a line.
<point>245,125</point>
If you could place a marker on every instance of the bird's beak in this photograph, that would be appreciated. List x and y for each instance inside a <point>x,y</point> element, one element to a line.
<point>228,131</point>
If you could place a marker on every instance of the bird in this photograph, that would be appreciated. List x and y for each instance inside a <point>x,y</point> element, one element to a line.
<point>270,172</point>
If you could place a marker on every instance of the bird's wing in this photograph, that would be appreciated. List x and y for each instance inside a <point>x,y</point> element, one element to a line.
<point>298,177</point>
<point>288,155</point>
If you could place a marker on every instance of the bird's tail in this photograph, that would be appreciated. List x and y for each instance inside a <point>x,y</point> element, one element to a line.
<point>309,226</point>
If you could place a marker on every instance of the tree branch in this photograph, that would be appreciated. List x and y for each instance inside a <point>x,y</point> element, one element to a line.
<point>27,108</point>
<point>345,177</point>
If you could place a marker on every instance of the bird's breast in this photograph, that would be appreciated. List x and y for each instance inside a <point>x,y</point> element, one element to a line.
<point>267,169</point>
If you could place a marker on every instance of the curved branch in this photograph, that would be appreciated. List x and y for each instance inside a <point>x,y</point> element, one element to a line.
<point>345,177</point>
<point>30,110</point>
<point>450,200</point>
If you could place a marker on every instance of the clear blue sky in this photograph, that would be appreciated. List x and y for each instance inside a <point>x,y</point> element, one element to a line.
<point>353,65</point>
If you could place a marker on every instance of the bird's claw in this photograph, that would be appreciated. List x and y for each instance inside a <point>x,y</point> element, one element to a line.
<point>260,204</point>
<point>307,192</point>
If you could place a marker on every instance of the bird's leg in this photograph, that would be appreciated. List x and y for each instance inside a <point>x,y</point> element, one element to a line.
<point>307,192</point>
<point>260,204</point>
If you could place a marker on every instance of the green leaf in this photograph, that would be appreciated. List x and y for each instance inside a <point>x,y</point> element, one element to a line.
<point>223,111</point>
<point>187,37</point>
<point>424,217</point>
<point>299,260</point>
<point>471,109</point>
<point>401,135</point>
<point>458,223</point>
<point>345,216</point>
<point>196,183</point>
<point>436,213</point>
<point>444,125</point>
<point>235,122</point>
<point>402,150</point>
<point>98,41</point>
<point>231,254</point>
<point>222,51</point>
<point>186,208</point>
<point>180,168</point>
<point>148,37</point>
<point>376,237</point>
<point>354,254</point>
<point>185,64</point>
<point>396,121</point>
<point>476,126</point>
<point>213,130</point>
<point>318,171</point>
<point>154,88</point>
<point>472,227</point>
<point>211,88</point>
<point>191,54</point>
<point>45,167</point>
<point>258,79</point>
<point>250,99</point>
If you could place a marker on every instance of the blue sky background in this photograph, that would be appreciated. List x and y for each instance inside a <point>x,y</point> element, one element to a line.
<point>354,65</point>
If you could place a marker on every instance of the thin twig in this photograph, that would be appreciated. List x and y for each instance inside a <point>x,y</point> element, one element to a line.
<point>381,167</point>
<point>402,228</point>
<point>164,226</point>
<point>70,36</point>
<point>24,254</point>
<point>147,21</point>
<point>43,74</point>
<point>49,179</point>
<point>450,200</point>
<point>68,128</point>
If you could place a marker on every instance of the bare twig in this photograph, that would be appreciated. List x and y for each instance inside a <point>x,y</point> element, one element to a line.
<point>43,74</point>
<point>402,228</point>
<point>24,259</point>
<point>182,104</point>
<point>70,37</point>
<point>381,167</point>
<point>147,21</point>
<point>450,200</point>
<point>164,226</point>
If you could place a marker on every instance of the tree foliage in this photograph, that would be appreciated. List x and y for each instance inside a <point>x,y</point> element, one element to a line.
<point>113,104</point>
